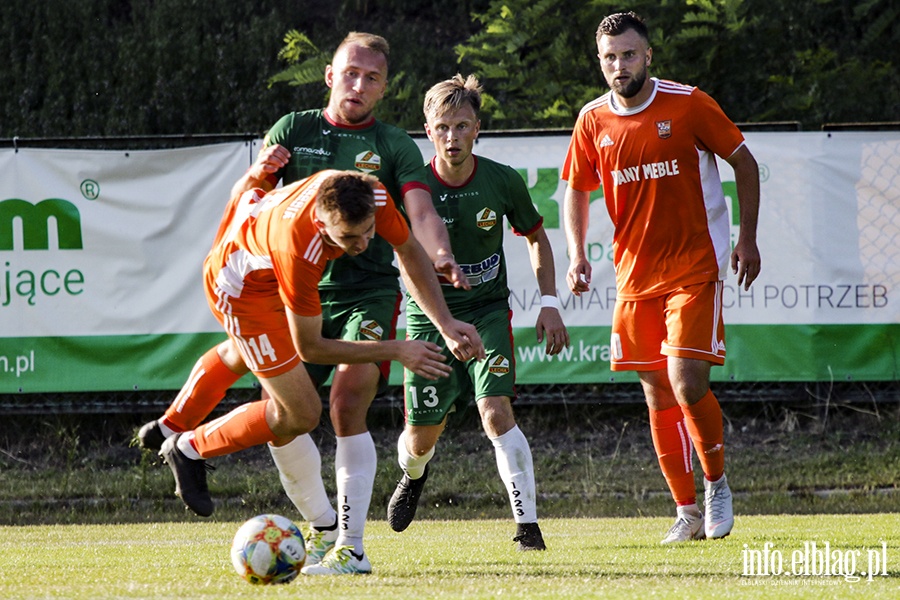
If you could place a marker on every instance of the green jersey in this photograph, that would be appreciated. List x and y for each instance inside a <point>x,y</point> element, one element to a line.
<point>473,213</point>
<point>382,150</point>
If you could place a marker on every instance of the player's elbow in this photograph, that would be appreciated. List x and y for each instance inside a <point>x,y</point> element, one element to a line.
<point>313,350</point>
<point>311,355</point>
<point>743,159</point>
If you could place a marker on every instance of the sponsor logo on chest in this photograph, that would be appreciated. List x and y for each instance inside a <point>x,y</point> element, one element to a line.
<point>367,161</point>
<point>664,129</point>
<point>486,219</point>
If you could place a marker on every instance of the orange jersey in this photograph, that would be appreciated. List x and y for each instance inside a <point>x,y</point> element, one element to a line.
<point>661,184</point>
<point>269,254</point>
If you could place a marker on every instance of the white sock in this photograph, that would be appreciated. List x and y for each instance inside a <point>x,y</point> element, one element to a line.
<point>187,448</point>
<point>165,429</point>
<point>688,510</point>
<point>355,462</point>
<point>413,465</point>
<point>517,472</point>
<point>300,469</point>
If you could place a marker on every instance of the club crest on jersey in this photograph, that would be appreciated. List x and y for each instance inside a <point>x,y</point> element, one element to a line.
<point>367,161</point>
<point>664,129</point>
<point>372,330</point>
<point>486,219</point>
<point>499,366</point>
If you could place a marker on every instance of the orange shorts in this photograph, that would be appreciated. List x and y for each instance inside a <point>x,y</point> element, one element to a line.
<point>686,323</point>
<point>259,329</point>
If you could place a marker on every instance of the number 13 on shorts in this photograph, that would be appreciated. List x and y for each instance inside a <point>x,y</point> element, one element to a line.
<point>429,396</point>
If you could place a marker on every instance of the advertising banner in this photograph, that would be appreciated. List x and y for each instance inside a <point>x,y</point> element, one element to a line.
<point>825,307</point>
<point>100,259</point>
<point>101,251</point>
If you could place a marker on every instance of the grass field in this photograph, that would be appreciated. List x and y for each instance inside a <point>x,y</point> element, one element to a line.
<point>84,514</point>
<point>586,558</point>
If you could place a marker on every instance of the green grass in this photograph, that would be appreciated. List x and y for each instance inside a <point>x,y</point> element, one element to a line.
<point>83,514</point>
<point>586,558</point>
<point>590,461</point>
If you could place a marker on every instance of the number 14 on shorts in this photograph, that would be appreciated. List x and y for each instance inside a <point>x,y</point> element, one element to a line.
<point>262,348</point>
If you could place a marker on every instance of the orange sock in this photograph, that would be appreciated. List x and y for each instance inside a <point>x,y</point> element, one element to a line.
<point>242,428</point>
<point>202,392</point>
<point>673,449</point>
<point>704,422</point>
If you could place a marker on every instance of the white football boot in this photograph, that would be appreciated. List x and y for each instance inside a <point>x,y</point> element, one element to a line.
<point>318,543</point>
<point>719,513</point>
<point>688,526</point>
<point>342,560</point>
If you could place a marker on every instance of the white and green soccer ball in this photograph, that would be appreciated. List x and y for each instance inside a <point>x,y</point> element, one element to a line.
<point>268,549</point>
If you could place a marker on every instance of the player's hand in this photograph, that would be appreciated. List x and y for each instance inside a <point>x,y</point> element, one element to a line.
<point>424,358</point>
<point>269,160</point>
<point>550,327</point>
<point>579,276</point>
<point>447,266</point>
<point>746,262</point>
<point>463,341</point>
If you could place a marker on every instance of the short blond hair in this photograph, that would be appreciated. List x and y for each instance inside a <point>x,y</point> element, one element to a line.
<point>369,41</point>
<point>452,94</point>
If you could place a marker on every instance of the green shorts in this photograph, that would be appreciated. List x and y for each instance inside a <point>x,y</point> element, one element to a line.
<point>427,402</point>
<point>357,315</point>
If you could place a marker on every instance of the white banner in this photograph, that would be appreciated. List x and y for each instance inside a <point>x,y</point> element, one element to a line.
<point>101,254</point>
<point>829,229</point>
<point>145,221</point>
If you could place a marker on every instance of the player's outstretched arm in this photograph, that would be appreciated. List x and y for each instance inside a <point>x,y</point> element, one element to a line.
<point>462,339</point>
<point>429,229</point>
<point>745,258</point>
<point>261,173</point>
<point>576,216</point>
<point>549,325</point>
<point>423,358</point>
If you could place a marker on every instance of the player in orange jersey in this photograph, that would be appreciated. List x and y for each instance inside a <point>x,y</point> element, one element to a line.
<point>261,280</point>
<point>360,297</point>
<point>653,145</point>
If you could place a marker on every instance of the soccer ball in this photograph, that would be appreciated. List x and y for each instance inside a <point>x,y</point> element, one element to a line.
<point>268,549</point>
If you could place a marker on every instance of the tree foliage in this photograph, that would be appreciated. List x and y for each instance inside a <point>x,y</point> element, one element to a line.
<point>150,67</point>
<point>153,67</point>
<point>534,60</point>
<point>812,61</point>
<point>306,62</point>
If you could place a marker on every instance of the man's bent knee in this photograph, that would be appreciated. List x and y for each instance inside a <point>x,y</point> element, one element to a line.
<point>293,422</point>
<point>496,415</point>
<point>420,439</point>
<point>347,406</point>
<point>352,393</point>
<point>690,393</point>
<point>689,380</point>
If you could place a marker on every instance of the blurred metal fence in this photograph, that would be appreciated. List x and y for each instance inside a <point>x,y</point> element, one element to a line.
<point>813,394</point>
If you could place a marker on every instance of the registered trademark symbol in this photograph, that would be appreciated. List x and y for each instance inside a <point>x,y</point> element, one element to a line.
<point>90,189</point>
<point>763,173</point>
